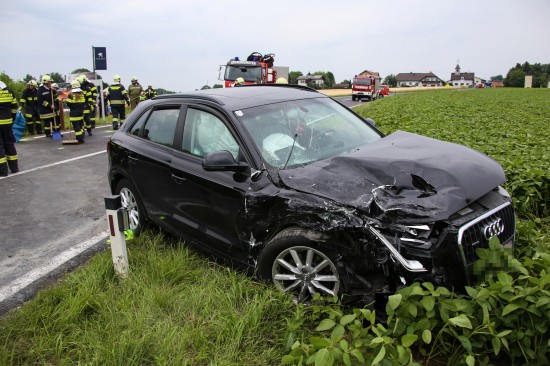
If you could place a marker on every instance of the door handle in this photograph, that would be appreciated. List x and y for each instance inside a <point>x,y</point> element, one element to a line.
<point>132,160</point>
<point>177,179</point>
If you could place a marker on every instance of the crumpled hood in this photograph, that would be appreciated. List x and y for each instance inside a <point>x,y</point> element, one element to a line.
<point>403,176</point>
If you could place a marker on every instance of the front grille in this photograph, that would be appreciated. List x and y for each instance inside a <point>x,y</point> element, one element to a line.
<point>474,234</point>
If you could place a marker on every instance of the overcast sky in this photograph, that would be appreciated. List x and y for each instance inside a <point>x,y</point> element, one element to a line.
<point>179,45</point>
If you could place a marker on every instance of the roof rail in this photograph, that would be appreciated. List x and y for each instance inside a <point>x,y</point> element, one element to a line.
<point>211,98</point>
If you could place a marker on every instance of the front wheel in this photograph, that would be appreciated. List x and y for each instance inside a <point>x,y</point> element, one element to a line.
<point>131,201</point>
<point>296,265</point>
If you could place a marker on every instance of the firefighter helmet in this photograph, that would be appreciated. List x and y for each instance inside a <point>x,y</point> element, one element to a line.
<point>75,84</point>
<point>54,85</point>
<point>46,79</point>
<point>2,85</point>
<point>116,78</point>
<point>134,79</point>
<point>33,83</point>
<point>239,81</point>
<point>81,78</point>
<point>281,81</point>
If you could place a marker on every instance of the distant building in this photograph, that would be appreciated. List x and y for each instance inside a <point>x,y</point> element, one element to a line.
<point>462,78</point>
<point>497,84</point>
<point>370,73</point>
<point>314,79</point>
<point>418,79</point>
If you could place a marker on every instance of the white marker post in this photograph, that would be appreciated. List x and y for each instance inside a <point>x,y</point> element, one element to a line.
<point>117,217</point>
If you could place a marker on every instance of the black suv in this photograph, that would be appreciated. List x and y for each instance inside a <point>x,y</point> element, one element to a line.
<point>298,188</point>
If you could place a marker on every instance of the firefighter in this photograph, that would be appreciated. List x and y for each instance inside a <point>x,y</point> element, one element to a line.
<point>77,103</point>
<point>134,92</point>
<point>47,108</point>
<point>117,95</point>
<point>149,93</point>
<point>57,108</point>
<point>92,99</point>
<point>29,103</point>
<point>86,88</point>
<point>239,81</point>
<point>8,109</point>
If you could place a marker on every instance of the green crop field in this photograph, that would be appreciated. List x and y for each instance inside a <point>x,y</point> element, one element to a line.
<point>178,307</point>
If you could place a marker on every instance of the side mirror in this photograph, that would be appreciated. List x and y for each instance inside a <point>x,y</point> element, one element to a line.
<point>371,122</point>
<point>222,161</point>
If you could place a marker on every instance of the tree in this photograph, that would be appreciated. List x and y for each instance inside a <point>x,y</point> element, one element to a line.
<point>497,78</point>
<point>28,78</point>
<point>348,82</point>
<point>204,87</point>
<point>515,78</point>
<point>81,70</point>
<point>541,81</point>
<point>16,86</point>
<point>217,86</point>
<point>293,77</point>
<point>57,77</point>
<point>390,80</point>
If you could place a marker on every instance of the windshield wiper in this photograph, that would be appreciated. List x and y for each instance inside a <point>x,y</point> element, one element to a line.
<point>291,150</point>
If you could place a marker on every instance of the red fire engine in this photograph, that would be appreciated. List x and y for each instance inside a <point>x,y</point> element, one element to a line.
<point>257,69</point>
<point>365,86</point>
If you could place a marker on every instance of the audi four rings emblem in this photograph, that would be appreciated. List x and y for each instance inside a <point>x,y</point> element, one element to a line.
<point>493,228</point>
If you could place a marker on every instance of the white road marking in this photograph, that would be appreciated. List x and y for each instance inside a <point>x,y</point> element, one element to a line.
<point>32,276</point>
<point>53,164</point>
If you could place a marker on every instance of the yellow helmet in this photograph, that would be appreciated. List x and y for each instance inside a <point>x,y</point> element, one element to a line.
<point>75,84</point>
<point>281,81</point>
<point>33,83</point>
<point>239,81</point>
<point>81,78</point>
<point>116,78</point>
<point>46,79</point>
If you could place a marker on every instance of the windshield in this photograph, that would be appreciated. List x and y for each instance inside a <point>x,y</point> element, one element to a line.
<point>299,132</point>
<point>252,74</point>
<point>362,81</point>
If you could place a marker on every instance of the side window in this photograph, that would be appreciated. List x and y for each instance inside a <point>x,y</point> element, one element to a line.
<point>205,133</point>
<point>161,126</point>
<point>136,128</point>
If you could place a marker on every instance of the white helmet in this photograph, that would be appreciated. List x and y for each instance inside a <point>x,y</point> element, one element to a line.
<point>46,79</point>
<point>239,81</point>
<point>134,78</point>
<point>2,85</point>
<point>33,83</point>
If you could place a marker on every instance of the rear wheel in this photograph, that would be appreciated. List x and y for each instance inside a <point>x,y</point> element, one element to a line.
<point>297,265</point>
<point>353,98</point>
<point>131,201</point>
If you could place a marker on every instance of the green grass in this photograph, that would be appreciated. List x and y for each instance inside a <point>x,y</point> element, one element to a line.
<point>175,308</point>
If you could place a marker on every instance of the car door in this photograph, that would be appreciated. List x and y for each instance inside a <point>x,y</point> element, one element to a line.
<point>209,205</point>
<point>150,157</point>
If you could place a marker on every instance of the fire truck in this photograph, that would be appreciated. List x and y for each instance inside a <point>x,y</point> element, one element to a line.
<point>365,86</point>
<point>256,69</point>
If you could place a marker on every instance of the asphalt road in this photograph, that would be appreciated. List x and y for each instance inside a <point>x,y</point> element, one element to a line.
<point>52,213</point>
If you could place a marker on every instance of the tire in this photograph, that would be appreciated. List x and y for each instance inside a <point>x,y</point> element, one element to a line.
<point>130,200</point>
<point>353,98</point>
<point>297,265</point>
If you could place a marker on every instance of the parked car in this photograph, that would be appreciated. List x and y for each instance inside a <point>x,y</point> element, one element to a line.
<point>299,189</point>
<point>384,91</point>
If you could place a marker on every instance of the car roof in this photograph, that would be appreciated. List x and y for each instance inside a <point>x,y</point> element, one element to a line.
<point>247,96</point>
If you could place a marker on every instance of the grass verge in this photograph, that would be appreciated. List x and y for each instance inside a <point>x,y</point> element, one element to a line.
<point>176,308</point>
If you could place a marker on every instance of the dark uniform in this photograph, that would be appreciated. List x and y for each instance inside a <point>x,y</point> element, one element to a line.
<point>47,108</point>
<point>117,96</point>
<point>77,104</point>
<point>30,105</point>
<point>91,91</point>
<point>150,93</point>
<point>8,109</point>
